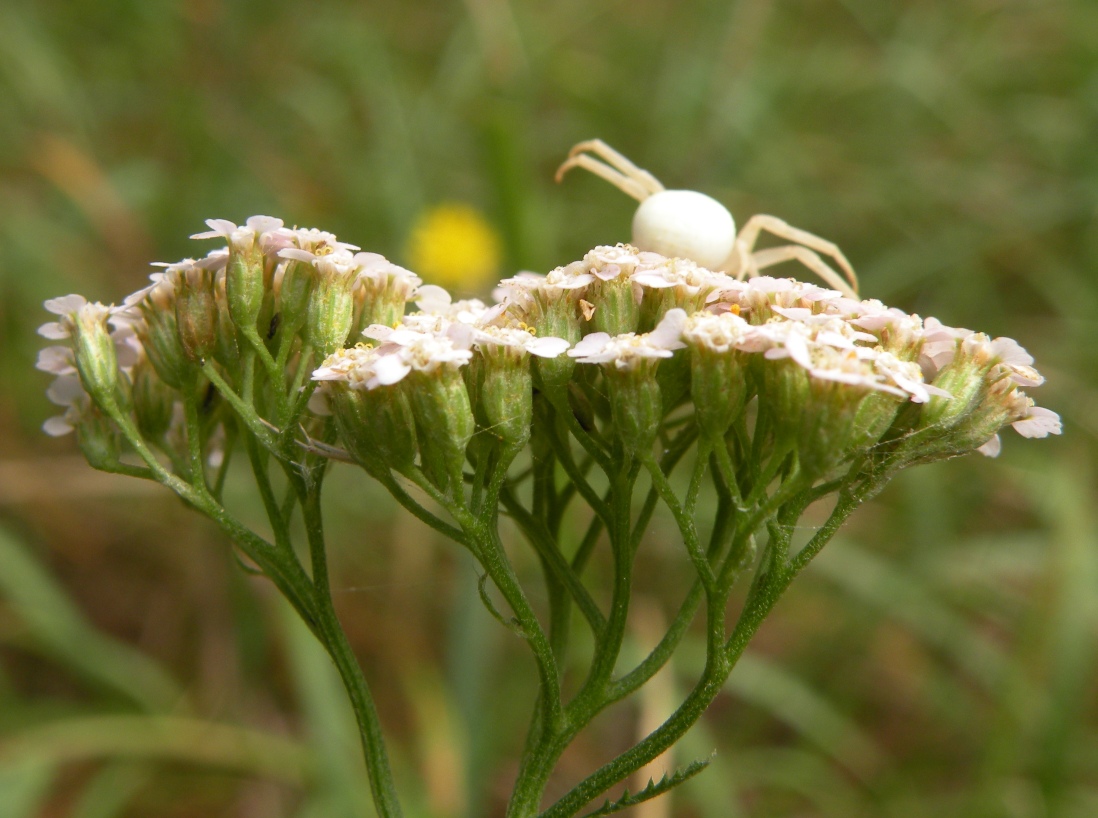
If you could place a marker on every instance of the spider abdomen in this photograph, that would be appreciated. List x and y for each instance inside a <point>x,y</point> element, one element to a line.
<point>685,224</point>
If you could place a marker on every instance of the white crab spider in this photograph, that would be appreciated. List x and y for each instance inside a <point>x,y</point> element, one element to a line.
<point>687,224</point>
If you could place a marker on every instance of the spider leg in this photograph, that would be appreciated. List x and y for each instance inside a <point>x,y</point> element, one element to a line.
<point>613,167</point>
<point>762,259</point>
<point>772,224</point>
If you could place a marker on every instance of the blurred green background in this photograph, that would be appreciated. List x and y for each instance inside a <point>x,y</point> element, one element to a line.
<point>939,657</point>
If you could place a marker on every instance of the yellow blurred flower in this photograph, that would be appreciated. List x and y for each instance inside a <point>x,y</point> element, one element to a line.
<point>453,245</point>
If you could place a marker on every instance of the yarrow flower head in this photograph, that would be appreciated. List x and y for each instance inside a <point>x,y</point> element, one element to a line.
<point>831,378</point>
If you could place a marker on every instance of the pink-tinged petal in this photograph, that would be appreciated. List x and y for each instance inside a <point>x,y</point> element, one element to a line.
<point>218,228</point>
<point>65,390</point>
<point>834,339</point>
<point>1010,352</point>
<point>590,345</point>
<point>390,369</point>
<point>378,332</point>
<point>938,392</point>
<point>793,313</point>
<point>433,298</point>
<point>66,304</point>
<point>492,313</point>
<point>214,260</point>
<point>327,373</point>
<point>264,224</point>
<point>1026,375</point>
<point>54,330</point>
<point>654,280</point>
<point>992,447</point>
<point>57,426</point>
<point>318,404</point>
<point>1040,422</point>
<point>797,347</point>
<point>768,284</point>
<point>668,333</point>
<point>573,283</point>
<point>297,254</point>
<point>547,347</point>
<point>461,335</point>
<point>404,337</point>
<point>56,361</point>
<point>372,261</point>
<point>125,353</point>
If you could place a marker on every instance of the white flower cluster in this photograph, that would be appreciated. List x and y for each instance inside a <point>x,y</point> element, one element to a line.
<point>653,306</point>
<point>144,324</point>
<point>442,334</point>
<point>862,345</point>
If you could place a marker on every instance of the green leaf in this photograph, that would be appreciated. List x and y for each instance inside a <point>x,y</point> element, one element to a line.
<point>653,790</point>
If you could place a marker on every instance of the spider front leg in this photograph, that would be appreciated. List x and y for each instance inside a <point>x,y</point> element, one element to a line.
<point>614,168</point>
<point>762,259</point>
<point>745,245</point>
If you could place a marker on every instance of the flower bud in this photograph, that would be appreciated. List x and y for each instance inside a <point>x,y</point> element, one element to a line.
<point>629,363</point>
<point>382,291</point>
<point>784,392</point>
<point>964,380</point>
<point>153,402</point>
<point>376,425</point>
<point>329,303</point>
<point>617,309</point>
<point>718,369</point>
<point>196,313</point>
<point>506,396</point>
<point>297,282</point>
<point>558,320</point>
<point>824,437</point>
<point>227,351</point>
<point>718,386</point>
<point>444,423</point>
<point>96,360</point>
<point>874,417</point>
<point>636,406</point>
<point>98,439</point>
<point>244,287</point>
<point>251,260</point>
<point>160,337</point>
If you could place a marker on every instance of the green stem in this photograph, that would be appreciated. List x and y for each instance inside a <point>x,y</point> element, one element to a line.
<point>483,534</point>
<point>563,451</point>
<point>335,642</point>
<point>682,516</point>
<point>549,551</point>
<point>663,651</point>
<point>196,464</point>
<point>244,410</point>
<point>559,400</point>
<point>226,459</point>
<point>275,374</point>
